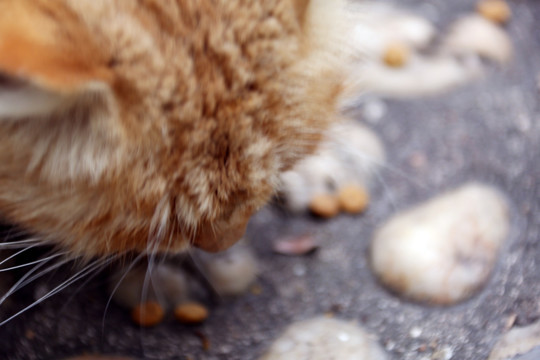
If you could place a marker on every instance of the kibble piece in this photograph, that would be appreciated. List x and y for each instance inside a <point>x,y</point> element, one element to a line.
<point>396,55</point>
<point>497,11</point>
<point>191,313</point>
<point>324,205</point>
<point>353,199</point>
<point>148,314</point>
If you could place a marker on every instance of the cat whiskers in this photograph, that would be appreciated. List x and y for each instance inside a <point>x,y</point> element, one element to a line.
<point>91,267</point>
<point>18,253</point>
<point>20,243</point>
<point>134,262</point>
<point>32,262</point>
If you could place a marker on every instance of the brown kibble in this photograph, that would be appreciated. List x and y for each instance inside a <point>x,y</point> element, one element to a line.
<point>324,205</point>
<point>497,11</point>
<point>396,55</point>
<point>148,314</point>
<point>256,289</point>
<point>353,199</point>
<point>191,313</point>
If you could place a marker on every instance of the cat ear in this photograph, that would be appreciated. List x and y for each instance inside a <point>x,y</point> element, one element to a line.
<point>46,57</point>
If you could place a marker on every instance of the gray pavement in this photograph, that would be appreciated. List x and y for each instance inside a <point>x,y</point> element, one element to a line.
<point>488,130</point>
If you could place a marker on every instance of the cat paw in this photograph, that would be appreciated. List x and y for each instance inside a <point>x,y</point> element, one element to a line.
<point>337,176</point>
<point>182,286</point>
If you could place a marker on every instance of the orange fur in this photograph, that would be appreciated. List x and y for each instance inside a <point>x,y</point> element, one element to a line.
<point>179,116</point>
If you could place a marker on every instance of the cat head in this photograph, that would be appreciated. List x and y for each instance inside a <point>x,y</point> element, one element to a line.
<point>155,125</point>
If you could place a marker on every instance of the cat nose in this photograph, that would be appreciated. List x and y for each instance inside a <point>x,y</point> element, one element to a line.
<point>221,236</point>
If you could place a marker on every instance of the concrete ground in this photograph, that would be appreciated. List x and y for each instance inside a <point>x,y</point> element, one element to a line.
<point>488,130</point>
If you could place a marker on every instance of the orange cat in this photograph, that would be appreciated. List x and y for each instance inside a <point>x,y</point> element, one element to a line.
<point>130,125</point>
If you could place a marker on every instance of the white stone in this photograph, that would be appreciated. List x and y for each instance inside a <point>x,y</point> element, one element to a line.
<point>322,339</point>
<point>519,340</point>
<point>230,272</point>
<point>445,249</point>
<point>378,25</point>
<point>477,35</point>
<point>420,76</point>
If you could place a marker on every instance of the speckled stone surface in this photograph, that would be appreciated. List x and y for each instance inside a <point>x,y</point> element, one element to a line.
<point>488,131</point>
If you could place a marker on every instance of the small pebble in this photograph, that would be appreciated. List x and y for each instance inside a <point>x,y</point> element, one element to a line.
<point>444,250</point>
<point>497,11</point>
<point>374,110</point>
<point>519,340</point>
<point>297,245</point>
<point>415,332</point>
<point>148,314</point>
<point>324,205</point>
<point>396,55</point>
<point>474,34</point>
<point>353,199</point>
<point>230,272</point>
<point>324,338</point>
<point>191,313</point>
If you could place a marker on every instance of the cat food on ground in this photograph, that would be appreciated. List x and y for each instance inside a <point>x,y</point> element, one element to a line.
<point>191,313</point>
<point>297,245</point>
<point>350,154</point>
<point>322,339</point>
<point>148,314</point>
<point>396,55</point>
<point>324,205</point>
<point>353,199</point>
<point>497,11</point>
<point>444,250</point>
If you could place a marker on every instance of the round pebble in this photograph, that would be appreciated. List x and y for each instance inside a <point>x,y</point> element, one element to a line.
<point>444,250</point>
<point>474,34</point>
<point>324,205</point>
<point>323,338</point>
<point>396,55</point>
<point>148,314</point>
<point>230,272</point>
<point>353,199</point>
<point>191,313</point>
<point>497,11</point>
